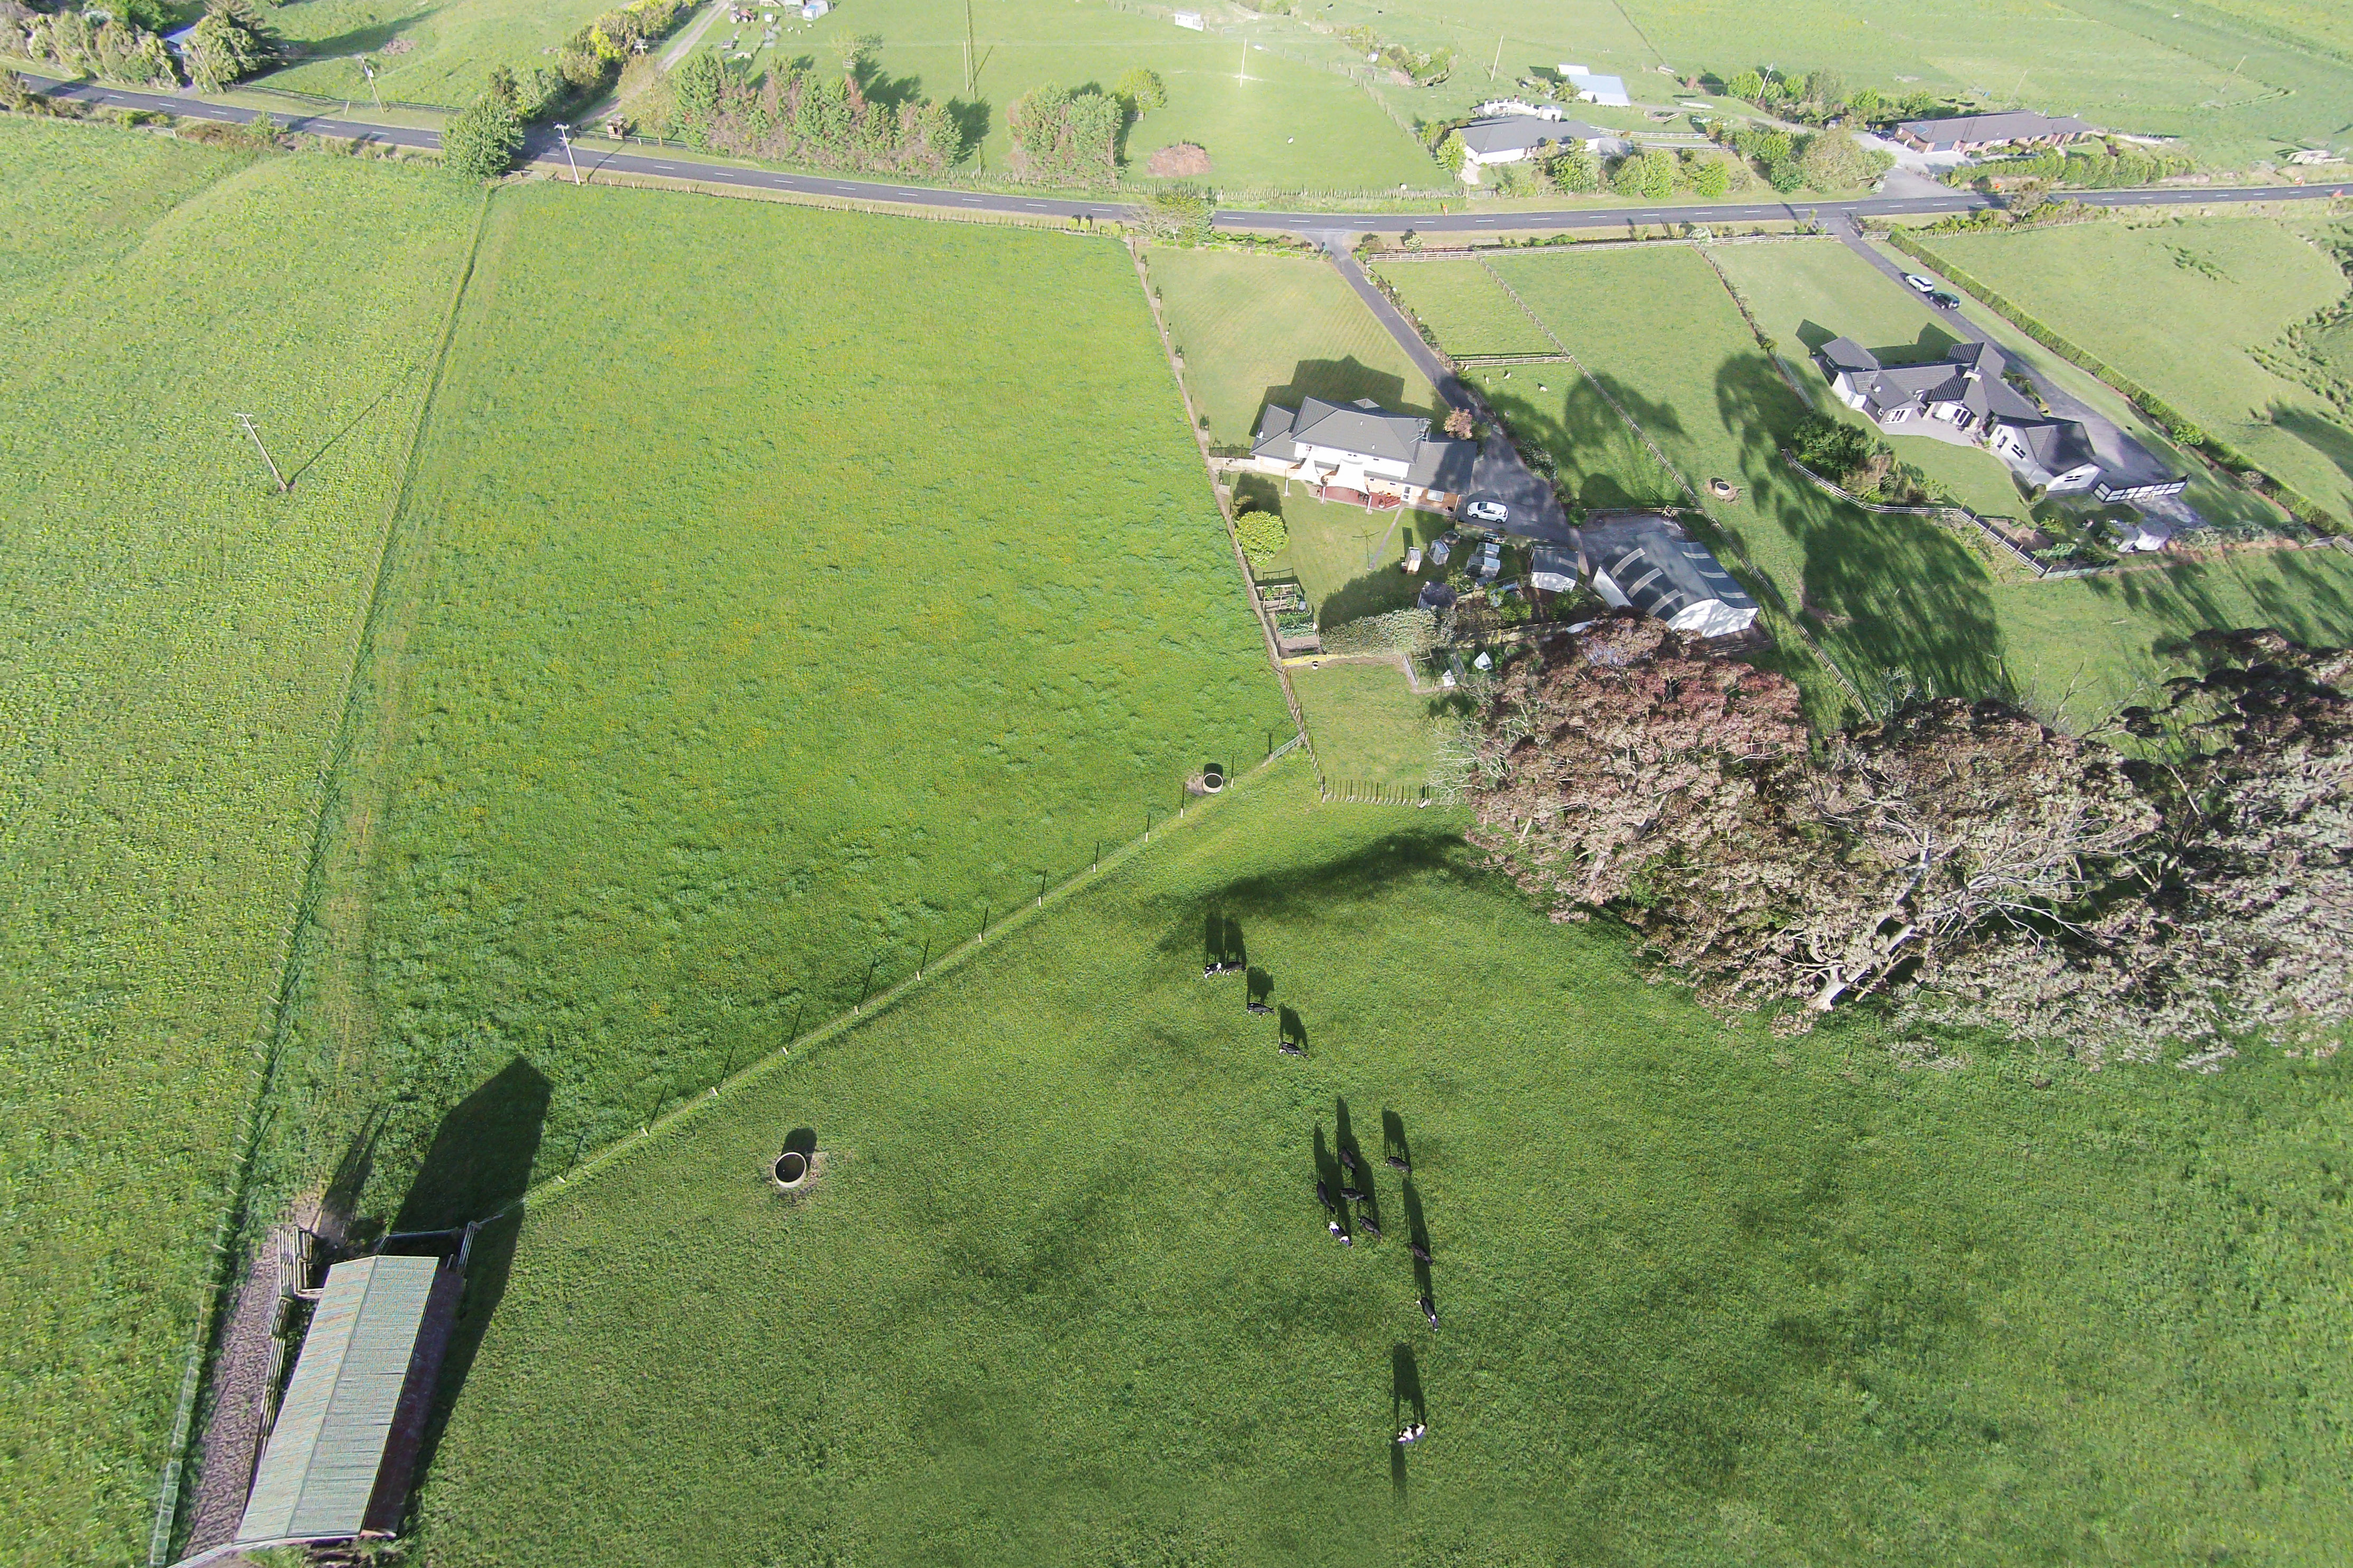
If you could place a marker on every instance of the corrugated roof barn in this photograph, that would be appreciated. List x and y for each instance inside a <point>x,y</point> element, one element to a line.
<point>337,1460</point>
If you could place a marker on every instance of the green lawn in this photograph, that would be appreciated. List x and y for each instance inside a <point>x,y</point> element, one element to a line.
<point>1257,329</point>
<point>1463,305</point>
<point>179,638</point>
<point>1062,1293</point>
<point>1890,598</point>
<point>1368,725</point>
<point>2177,307</point>
<point>1289,123</point>
<point>450,49</point>
<point>755,645</point>
<point>1347,561</point>
<point>1805,292</point>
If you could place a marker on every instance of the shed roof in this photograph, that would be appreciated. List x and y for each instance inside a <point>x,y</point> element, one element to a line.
<point>2018,125</point>
<point>1523,132</point>
<point>319,1471</point>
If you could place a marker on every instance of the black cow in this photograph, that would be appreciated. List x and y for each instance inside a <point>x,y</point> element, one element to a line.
<point>1429,1310</point>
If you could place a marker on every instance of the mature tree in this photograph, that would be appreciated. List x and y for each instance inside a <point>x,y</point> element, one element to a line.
<point>1142,90</point>
<point>1992,871</point>
<point>1710,177</point>
<point>230,43</point>
<point>1747,85</point>
<point>1575,171</point>
<point>481,139</point>
<point>1460,423</point>
<point>1833,161</point>
<point>858,52</point>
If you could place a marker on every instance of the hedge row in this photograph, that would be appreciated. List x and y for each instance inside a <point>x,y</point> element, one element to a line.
<point>2183,428</point>
<point>1410,632</point>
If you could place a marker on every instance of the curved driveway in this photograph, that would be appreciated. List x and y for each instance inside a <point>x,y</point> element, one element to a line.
<point>593,154</point>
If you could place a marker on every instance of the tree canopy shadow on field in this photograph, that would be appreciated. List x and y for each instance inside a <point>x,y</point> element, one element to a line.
<point>2306,603</point>
<point>367,40</point>
<point>2325,437</point>
<point>1601,460</point>
<point>478,1167</point>
<point>1320,885</point>
<point>1901,594</point>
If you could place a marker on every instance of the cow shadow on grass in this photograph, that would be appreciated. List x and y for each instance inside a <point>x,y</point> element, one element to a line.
<point>1906,604</point>
<point>477,1169</point>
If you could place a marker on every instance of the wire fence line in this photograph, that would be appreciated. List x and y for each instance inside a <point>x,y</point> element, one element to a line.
<point>683,1101</point>
<point>1377,792</point>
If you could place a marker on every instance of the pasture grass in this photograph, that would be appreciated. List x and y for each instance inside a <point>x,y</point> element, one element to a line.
<point>761,640</point>
<point>1257,329</point>
<point>179,639</point>
<point>1289,124</point>
<point>1062,1292</point>
<point>450,49</point>
<point>1368,725</point>
<point>1805,292</point>
<point>2179,307</point>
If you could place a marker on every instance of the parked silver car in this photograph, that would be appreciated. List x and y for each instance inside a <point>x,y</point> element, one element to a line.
<point>1486,509</point>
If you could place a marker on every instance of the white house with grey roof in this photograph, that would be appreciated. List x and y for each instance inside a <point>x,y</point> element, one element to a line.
<point>1513,138</point>
<point>1365,450</point>
<point>1647,560</point>
<point>1964,399</point>
<point>1970,133</point>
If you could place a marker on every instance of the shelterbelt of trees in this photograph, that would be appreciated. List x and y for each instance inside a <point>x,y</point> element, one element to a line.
<point>2186,874</point>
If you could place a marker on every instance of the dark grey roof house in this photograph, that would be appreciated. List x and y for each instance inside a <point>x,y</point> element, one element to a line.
<point>1964,399</point>
<point>1364,448</point>
<point>1507,138</point>
<point>1647,560</point>
<point>1978,133</point>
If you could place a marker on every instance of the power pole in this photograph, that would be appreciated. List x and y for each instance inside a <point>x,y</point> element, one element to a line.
<point>1499,58</point>
<point>968,48</point>
<point>245,423</point>
<point>368,70</point>
<point>564,134</point>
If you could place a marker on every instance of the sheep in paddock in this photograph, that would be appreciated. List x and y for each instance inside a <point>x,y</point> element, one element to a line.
<point>1429,1310</point>
<point>1420,1251</point>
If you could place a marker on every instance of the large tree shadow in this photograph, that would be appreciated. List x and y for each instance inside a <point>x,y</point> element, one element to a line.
<point>2325,437</point>
<point>1933,343</point>
<point>1895,593</point>
<point>477,1169</point>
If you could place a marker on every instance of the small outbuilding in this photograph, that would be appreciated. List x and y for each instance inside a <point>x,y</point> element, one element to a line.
<point>340,1457</point>
<point>1645,559</point>
<point>1552,569</point>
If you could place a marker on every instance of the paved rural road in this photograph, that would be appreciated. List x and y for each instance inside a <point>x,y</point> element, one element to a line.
<point>599,155</point>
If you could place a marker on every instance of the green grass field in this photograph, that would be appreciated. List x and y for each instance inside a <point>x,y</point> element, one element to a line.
<point>179,638</point>
<point>756,647</point>
<point>1257,329</point>
<point>1281,121</point>
<point>2176,307</point>
<point>1368,725</point>
<point>1884,595</point>
<point>450,49</point>
<point>1805,292</point>
<point>1062,1292</point>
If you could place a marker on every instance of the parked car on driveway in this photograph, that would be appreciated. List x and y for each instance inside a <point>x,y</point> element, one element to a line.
<point>1944,299</point>
<point>1486,509</point>
<point>1919,284</point>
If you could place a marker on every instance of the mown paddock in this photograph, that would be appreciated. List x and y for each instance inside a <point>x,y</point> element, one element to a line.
<point>1887,597</point>
<point>441,54</point>
<point>1064,1293</point>
<point>1256,328</point>
<point>2180,308</point>
<point>1369,725</point>
<point>179,640</point>
<point>784,593</point>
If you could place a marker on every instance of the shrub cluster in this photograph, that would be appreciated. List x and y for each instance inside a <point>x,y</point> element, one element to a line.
<point>1860,464</point>
<point>806,116</point>
<point>1061,137</point>
<point>1827,161</point>
<point>1421,70</point>
<point>2089,167</point>
<point>1262,535</point>
<point>1820,97</point>
<point>1408,632</point>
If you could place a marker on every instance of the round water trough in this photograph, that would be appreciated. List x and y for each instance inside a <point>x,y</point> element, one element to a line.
<point>1212,780</point>
<point>792,1168</point>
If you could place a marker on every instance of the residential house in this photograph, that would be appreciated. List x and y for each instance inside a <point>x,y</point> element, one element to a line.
<point>1645,559</point>
<point>1610,92</point>
<point>1509,137</point>
<point>1966,399</point>
<point>1361,452</point>
<point>1971,133</point>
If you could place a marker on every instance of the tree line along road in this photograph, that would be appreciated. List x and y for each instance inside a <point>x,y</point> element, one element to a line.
<point>599,157</point>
